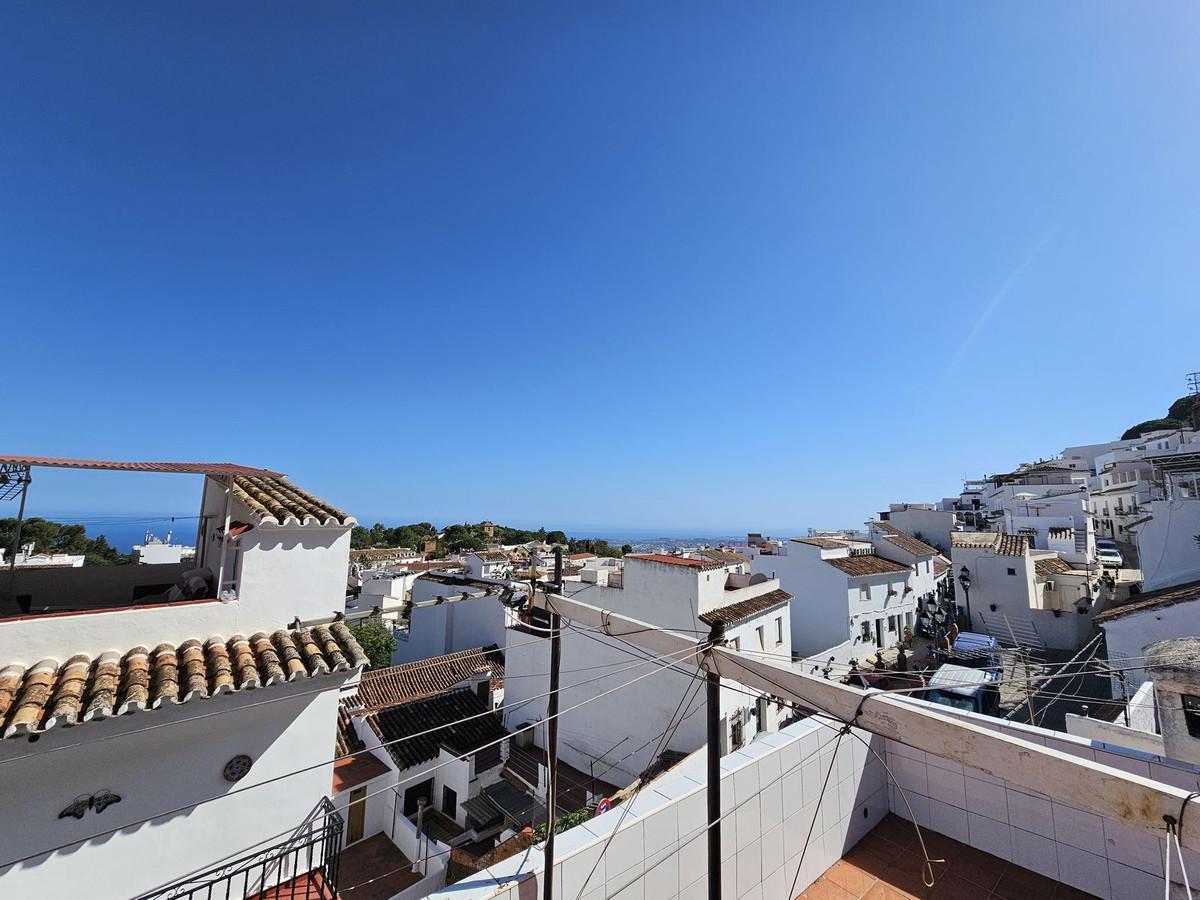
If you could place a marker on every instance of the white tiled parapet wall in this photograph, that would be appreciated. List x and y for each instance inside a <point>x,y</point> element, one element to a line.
<point>769,792</point>
<point>1096,854</point>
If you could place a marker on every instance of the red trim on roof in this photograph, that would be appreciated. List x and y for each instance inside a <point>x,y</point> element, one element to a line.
<point>185,468</point>
<point>107,609</point>
<point>675,560</point>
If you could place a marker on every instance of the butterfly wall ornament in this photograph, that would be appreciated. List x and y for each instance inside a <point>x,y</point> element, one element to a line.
<point>99,801</point>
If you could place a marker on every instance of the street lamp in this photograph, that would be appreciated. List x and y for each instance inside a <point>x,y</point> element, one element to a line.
<point>964,578</point>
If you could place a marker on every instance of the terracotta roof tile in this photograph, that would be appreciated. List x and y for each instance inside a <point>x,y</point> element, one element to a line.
<point>682,561</point>
<point>1012,544</point>
<point>743,610</point>
<point>725,557</point>
<point>823,543</point>
<point>184,468</point>
<point>47,694</point>
<point>904,540</point>
<point>1052,565</point>
<point>1180,593</point>
<point>461,720</point>
<point>275,500</point>
<point>866,564</point>
<point>427,677</point>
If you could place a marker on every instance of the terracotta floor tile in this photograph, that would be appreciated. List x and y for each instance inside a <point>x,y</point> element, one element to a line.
<point>896,830</point>
<point>880,846</point>
<point>951,887</point>
<point>883,891</point>
<point>1018,884</point>
<point>823,889</point>
<point>1066,892</point>
<point>849,876</point>
<point>975,866</point>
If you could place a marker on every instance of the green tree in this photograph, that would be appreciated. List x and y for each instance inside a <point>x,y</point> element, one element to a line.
<point>55,537</point>
<point>556,537</point>
<point>626,548</point>
<point>377,641</point>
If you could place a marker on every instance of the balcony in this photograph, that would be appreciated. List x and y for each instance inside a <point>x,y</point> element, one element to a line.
<point>303,867</point>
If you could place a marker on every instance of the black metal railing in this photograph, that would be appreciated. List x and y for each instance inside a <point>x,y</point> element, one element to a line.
<point>309,858</point>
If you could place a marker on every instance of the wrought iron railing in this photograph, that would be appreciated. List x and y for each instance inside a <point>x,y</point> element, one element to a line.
<point>311,854</point>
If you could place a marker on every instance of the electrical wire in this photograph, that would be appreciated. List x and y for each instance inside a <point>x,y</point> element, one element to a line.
<point>279,699</point>
<point>190,806</point>
<point>626,806</point>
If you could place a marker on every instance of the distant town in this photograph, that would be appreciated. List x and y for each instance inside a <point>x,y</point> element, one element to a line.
<point>302,705</point>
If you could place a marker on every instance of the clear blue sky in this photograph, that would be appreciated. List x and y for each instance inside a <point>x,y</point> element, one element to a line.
<point>679,266</point>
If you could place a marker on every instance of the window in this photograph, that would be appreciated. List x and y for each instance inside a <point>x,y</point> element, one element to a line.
<point>1012,571</point>
<point>778,630</point>
<point>891,623</point>
<point>866,631</point>
<point>1191,714</point>
<point>864,592</point>
<point>758,632</point>
<point>737,643</point>
<point>449,802</point>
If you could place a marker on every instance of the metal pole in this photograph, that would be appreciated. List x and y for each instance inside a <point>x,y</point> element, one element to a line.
<point>12,563</point>
<point>552,732</point>
<point>1124,696</point>
<point>225,535</point>
<point>422,840</point>
<point>713,703</point>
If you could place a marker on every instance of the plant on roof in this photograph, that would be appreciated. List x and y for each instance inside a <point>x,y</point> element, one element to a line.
<point>377,641</point>
<point>564,822</point>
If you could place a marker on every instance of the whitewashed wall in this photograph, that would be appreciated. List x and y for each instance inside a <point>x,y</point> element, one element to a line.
<point>769,794</point>
<point>1166,544</point>
<point>159,770</point>
<point>1095,854</point>
<point>819,610</point>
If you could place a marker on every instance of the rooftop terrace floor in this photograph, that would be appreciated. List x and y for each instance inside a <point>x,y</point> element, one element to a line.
<point>374,869</point>
<point>886,865</point>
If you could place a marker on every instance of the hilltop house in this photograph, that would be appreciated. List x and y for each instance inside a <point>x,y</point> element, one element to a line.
<point>147,711</point>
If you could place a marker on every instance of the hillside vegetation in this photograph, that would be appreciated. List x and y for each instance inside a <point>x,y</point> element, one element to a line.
<point>1178,416</point>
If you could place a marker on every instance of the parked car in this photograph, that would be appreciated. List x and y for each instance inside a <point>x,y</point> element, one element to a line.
<point>1109,558</point>
<point>1106,544</point>
<point>974,690</point>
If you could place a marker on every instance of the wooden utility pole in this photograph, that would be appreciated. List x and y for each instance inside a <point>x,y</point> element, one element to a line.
<point>552,731</point>
<point>713,702</point>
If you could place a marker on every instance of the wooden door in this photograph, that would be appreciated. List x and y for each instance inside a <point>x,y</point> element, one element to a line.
<point>358,815</point>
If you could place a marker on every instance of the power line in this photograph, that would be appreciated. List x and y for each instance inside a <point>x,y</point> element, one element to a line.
<point>423,772</point>
<point>410,667</point>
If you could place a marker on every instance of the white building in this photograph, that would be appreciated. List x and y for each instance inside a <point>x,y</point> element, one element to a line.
<point>155,551</point>
<point>29,558</point>
<point>616,734</point>
<point>1146,619</point>
<point>143,723</point>
<point>1166,529</point>
<point>488,564</point>
<point>857,596</point>
<point>465,613</point>
<point>925,521</point>
<point>1024,596</point>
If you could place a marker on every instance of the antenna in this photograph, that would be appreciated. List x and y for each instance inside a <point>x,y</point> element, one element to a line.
<point>1193,383</point>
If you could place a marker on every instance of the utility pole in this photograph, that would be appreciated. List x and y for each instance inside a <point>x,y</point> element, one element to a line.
<point>713,702</point>
<point>552,731</point>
